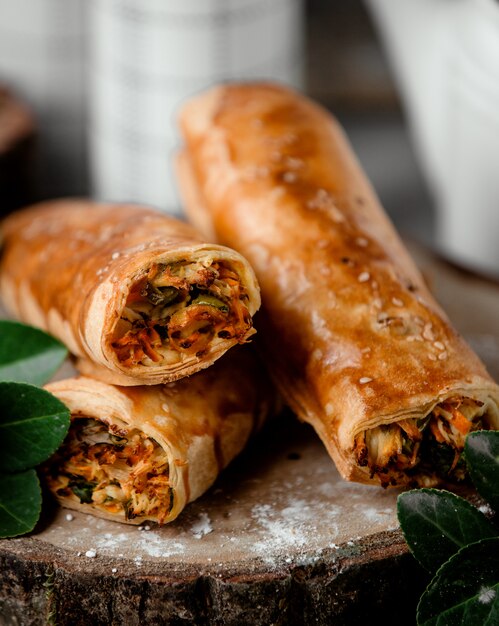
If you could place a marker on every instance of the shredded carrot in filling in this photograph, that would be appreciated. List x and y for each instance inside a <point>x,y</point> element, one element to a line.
<point>126,475</point>
<point>421,451</point>
<point>181,308</point>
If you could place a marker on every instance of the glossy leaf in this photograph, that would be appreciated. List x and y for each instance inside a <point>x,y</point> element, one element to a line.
<point>465,590</point>
<point>482,457</point>
<point>28,354</point>
<point>437,523</point>
<point>33,424</point>
<point>20,503</point>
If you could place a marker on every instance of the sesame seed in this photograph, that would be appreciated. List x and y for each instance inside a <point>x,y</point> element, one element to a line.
<point>374,284</point>
<point>363,277</point>
<point>361,241</point>
<point>147,527</point>
<point>366,350</point>
<point>115,255</point>
<point>78,554</point>
<point>91,554</point>
<point>364,380</point>
<point>432,357</point>
<point>294,163</point>
<point>428,333</point>
<point>397,302</point>
<point>439,345</point>
<point>442,356</point>
<point>317,354</point>
<point>289,177</point>
<point>69,517</point>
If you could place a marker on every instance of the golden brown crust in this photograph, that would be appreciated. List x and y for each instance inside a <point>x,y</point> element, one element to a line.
<point>352,335</point>
<point>201,422</point>
<point>68,266</point>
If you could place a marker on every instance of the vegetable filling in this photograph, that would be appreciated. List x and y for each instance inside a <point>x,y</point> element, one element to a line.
<point>422,451</point>
<point>179,309</point>
<point>118,473</point>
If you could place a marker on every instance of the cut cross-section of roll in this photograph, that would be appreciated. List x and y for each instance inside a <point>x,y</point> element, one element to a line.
<point>142,453</point>
<point>138,296</point>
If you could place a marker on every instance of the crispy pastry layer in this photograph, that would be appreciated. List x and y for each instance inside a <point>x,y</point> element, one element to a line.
<point>358,346</point>
<point>142,453</point>
<point>138,296</point>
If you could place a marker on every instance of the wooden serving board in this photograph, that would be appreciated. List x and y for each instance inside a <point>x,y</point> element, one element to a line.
<point>280,538</point>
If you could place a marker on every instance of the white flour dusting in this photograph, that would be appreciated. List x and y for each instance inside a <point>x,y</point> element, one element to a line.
<point>202,526</point>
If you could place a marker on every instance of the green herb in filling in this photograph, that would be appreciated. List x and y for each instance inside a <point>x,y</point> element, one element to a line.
<point>209,300</point>
<point>83,489</point>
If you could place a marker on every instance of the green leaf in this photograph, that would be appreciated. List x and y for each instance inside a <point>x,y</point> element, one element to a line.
<point>33,424</point>
<point>465,590</point>
<point>28,354</point>
<point>20,503</point>
<point>436,523</point>
<point>482,456</point>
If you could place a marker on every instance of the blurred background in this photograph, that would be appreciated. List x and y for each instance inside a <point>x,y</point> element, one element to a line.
<point>94,87</point>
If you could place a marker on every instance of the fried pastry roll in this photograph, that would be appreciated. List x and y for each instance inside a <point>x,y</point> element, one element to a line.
<point>142,453</point>
<point>138,296</point>
<point>356,343</point>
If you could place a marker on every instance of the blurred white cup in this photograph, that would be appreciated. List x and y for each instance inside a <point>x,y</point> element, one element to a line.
<point>446,59</point>
<point>148,56</point>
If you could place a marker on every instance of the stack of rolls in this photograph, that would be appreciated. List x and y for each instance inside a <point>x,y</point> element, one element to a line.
<point>144,304</point>
<point>354,341</point>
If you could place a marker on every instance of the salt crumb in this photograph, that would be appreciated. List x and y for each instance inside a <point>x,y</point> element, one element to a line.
<point>115,255</point>
<point>485,509</point>
<point>147,527</point>
<point>78,554</point>
<point>363,277</point>
<point>361,241</point>
<point>366,350</point>
<point>202,526</point>
<point>486,595</point>
<point>114,570</point>
<point>69,517</point>
<point>364,380</point>
<point>289,177</point>
<point>91,554</point>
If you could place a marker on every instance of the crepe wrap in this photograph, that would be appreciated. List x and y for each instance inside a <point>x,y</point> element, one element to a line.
<point>356,343</point>
<point>197,425</point>
<point>70,267</point>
